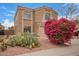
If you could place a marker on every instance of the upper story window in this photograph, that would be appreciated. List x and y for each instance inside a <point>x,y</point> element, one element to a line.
<point>27,15</point>
<point>47,16</point>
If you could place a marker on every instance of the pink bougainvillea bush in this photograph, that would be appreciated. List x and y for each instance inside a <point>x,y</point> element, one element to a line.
<point>59,31</point>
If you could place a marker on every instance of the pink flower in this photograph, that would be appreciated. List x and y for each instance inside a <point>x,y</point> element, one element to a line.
<point>59,31</point>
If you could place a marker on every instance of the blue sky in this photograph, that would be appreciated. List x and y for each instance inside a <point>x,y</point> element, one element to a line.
<point>8,10</point>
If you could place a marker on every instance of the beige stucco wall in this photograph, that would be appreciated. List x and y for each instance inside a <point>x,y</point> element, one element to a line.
<point>18,21</point>
<point>37,19</point>
<point>40,18</point>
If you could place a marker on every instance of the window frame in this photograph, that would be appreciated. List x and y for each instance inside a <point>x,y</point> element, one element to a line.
<point>27,29</point>
<point>47,15</point>
<point>26,14</point>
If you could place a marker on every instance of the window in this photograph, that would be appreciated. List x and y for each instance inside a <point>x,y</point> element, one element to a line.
<point>27,15</point>
<point>47,16</point>
<point>27,29</point>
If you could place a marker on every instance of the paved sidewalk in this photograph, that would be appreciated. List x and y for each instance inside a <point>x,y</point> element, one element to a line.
<point>72,50</point>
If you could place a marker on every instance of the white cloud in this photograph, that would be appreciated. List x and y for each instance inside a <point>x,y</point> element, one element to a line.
<point>8,10</point>
<point>12,11</point>
<point>9,15</point>
<point>61,17</point>
<point>3,7</point>
<point>65,17</point>
<point>12,15</point>
<point>7,23</point>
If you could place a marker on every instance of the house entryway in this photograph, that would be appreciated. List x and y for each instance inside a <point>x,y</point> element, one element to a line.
<point>42,33</point>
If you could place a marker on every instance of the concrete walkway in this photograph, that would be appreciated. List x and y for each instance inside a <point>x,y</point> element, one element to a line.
<point>72,50</point>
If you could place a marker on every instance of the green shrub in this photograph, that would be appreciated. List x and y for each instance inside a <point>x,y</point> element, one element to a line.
<point>27,40</point>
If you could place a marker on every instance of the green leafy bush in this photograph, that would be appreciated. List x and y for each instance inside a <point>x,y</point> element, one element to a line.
<point>27,40</point>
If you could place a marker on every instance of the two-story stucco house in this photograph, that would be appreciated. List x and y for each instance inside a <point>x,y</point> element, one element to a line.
<point>32,20</point>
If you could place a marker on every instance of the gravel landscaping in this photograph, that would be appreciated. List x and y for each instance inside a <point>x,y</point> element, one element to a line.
<point>11,51</point>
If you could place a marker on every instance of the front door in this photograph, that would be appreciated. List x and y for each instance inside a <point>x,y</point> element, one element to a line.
<point>41,31</point>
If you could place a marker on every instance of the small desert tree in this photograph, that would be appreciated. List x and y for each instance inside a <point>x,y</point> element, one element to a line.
<point>68,9</point>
